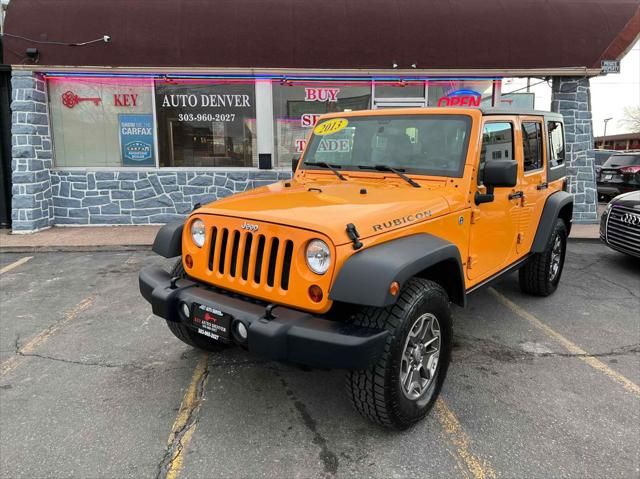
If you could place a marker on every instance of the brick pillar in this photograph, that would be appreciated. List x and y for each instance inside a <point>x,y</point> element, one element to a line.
<point>571,97</point>
<point>32,203</point>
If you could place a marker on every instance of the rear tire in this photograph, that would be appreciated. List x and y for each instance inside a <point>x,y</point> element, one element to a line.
<point>182,332</point>
<point>402,386</point>
<point>541,275</point>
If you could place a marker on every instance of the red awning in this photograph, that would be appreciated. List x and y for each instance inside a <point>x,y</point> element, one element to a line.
<point>334,34</point>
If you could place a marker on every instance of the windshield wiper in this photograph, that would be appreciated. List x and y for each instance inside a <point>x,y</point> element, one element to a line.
<point>323,164</point>
<point>392,170</point>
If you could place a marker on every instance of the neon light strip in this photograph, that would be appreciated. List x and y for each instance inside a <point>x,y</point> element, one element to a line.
<point>279,77</point>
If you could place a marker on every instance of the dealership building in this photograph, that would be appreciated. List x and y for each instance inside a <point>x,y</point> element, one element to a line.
<point>133,112</point>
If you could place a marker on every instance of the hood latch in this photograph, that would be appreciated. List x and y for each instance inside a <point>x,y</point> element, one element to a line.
<point>354,236</point>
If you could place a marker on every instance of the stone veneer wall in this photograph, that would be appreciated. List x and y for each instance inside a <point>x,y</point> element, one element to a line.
<point>32,203</point>
<point>143,197</point>
<point>571,97</point>
<point>44,196</point>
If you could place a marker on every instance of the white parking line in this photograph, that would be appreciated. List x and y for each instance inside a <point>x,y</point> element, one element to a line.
<point>14,265</point>
<point>568,345</point>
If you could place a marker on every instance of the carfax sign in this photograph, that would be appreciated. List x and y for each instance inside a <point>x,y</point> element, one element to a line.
<point>136,140</point>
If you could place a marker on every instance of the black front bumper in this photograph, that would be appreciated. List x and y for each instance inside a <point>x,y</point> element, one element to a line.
<point>290,335</point>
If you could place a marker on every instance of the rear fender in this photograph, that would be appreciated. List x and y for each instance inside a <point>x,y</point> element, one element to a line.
<point>558,205</point>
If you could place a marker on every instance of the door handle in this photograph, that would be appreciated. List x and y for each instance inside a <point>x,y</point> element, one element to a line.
<point>516,195</point>
<point>543,186</point>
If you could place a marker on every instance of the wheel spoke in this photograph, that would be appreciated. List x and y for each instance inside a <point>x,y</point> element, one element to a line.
<point>426,328</point>
<point>431,341</point>
<point>408,380</point>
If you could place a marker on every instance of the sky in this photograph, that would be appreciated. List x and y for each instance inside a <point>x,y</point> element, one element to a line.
<point>610,94</point>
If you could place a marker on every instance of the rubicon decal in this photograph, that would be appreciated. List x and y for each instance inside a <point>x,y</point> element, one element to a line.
<point>461,98</point>
<point>402,220</point>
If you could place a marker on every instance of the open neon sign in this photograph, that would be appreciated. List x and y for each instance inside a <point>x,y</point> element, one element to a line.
<point>461,98</point>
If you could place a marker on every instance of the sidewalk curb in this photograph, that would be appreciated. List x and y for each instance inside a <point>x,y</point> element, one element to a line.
<point>584,240</point>
<point>73,249</point>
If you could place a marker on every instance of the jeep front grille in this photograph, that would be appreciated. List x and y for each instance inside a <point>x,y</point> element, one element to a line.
<point>251,257</point>
<point>621,231</point>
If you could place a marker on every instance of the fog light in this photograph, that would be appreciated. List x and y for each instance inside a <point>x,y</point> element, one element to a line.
<point>186,311</point>
<point>241,330</point>
<point>315,293</point>
<point>188,261</point>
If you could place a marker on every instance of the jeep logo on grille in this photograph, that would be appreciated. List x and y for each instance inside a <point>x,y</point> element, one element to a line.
<point>631,219</point>
<point>249,226</point>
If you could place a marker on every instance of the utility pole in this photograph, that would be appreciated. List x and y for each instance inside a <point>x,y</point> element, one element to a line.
<point>604,136</point>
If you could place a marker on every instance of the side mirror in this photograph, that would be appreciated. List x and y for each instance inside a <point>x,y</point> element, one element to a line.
<point>294,164</point>
<point>497,173</point>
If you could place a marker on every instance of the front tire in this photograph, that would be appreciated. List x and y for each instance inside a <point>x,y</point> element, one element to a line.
<point>541,275</point>
<point>401,388</point>
<point>185,334</point>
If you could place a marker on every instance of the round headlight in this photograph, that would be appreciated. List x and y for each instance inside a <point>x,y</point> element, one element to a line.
<point>198,233</point>
<point>318,256</point>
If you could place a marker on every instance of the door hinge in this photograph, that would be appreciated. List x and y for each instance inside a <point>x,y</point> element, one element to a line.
<point>471,260</point>
<point>475,216</point>
<point>520,239</point>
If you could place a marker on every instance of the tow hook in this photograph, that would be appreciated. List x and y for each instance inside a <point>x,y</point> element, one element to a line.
<point>268,312</point>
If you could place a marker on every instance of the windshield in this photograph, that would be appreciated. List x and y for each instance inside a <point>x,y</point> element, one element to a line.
<point>622,160</point>
<point>425,144</point>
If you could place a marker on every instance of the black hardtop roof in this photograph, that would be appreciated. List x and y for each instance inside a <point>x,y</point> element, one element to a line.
<point>520,111</point>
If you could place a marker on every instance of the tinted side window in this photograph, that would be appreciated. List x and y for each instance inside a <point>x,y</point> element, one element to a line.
<point>532,145</point>
<point>497,144</point>
<point>556,138</point>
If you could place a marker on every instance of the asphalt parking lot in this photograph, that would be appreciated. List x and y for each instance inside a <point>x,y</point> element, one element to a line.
<point>93,385</point>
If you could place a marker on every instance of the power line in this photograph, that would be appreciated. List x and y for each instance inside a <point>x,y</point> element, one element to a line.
<point>104,38</point>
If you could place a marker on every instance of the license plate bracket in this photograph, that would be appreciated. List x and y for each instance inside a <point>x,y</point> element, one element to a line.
<point>211,322</point>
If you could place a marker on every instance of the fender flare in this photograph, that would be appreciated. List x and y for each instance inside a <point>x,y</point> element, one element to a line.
<point>168,242</point>
<point>365,277</point>
<point>553,209</point>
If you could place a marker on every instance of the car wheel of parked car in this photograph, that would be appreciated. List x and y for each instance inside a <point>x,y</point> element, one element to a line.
<point>541,275</point>
<point>402,386</point>
<point>182,332</point>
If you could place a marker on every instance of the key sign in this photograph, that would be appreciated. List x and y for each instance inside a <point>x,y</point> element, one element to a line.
<point>70,99</point>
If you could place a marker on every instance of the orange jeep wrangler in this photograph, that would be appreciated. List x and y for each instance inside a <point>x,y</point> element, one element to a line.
<point>391,216</point>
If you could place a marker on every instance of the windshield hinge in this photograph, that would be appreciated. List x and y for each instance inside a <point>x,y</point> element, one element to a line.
<point>354,236</point>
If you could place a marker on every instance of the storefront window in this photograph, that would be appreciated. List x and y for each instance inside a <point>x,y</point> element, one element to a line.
<point>102,122</point>
<point>399,90</point>
<point>206,125</point>
<point>460,93</point>
<point>297,106</point>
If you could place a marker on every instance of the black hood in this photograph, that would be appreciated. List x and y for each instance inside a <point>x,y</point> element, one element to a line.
<point>630,200</point>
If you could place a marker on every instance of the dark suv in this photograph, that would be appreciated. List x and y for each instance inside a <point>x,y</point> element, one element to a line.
<point>620,224</point>
<point>619,174</point>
